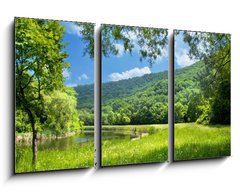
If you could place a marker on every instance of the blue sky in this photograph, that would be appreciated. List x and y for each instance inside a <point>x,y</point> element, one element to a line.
<point>81,71</point>
<point>125,66</point>
<point>115,67</point>
<point>181,49</point>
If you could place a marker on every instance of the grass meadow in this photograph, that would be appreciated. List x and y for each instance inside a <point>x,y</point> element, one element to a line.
<point>76,156</point>
<point>148,149</point>
<point>194,141</point>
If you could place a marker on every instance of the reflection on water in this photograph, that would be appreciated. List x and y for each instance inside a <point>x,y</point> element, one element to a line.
<point>123,134</point>
<point>87,136</point>
<point>117,134</point>
<point>63,143</point>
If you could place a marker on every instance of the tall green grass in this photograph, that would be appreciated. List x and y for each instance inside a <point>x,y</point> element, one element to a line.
<point>194,141</point>
<point>152,148</point>
<point>76,156</point>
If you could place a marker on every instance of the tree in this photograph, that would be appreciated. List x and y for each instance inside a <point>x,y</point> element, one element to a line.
<point>194,110</point>
<point>86,116</point>
<point>180,112</point>
<point>87,32</point>
<point>214,50</point>
<point>60,108</point>
<point>111,118</point>
<point>22,122</point>
<point>39,67</point>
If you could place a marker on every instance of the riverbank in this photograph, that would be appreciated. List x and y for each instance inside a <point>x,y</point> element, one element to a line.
<point>26,138</point>
<point>70,152</point>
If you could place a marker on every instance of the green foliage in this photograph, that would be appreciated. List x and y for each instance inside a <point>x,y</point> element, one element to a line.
<point>144,99</point>
<point>151,41</point>
<point>189,102</point>
<point>22,123</point>
<point>85,96</point>
<point>39,64</point>
<point>214,79</point>
<point>40,91</point>
<point>123,96</point>
<point>86,116</point>
<point>39,55</point>
<point>140,100</point>
<point>87,32</point>
<point>60,109</point>
<point>44,104</point>
<point>180,112</point>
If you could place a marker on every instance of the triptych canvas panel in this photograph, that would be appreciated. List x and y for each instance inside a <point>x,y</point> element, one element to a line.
<point>134,95</point>
<point>54,95</point>
<point>54,116</point>
<point>202,95</point>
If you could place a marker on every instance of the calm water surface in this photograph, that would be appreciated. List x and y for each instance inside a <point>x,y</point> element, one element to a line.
<point>81,139</point>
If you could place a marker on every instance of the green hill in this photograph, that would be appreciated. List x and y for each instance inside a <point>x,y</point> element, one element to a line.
<point>117,89</point>
<point>139,100</point>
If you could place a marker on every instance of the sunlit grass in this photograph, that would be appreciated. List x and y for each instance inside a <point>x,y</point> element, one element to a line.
<point>152,148</point>
<point>194,141</point>
<point>78,156</point>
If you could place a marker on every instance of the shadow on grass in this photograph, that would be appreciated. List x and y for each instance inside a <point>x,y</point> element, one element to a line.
<point>218,126</point>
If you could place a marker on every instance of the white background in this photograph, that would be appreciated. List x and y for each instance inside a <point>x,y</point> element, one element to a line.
<point>204,15</point>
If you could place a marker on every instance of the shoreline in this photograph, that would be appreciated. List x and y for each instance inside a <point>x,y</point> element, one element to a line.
<point>21,138</point>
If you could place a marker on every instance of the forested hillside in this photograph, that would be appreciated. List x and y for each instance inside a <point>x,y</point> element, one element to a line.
<point>117,89</point>
<point>144,100</point>
<point>188,100</point>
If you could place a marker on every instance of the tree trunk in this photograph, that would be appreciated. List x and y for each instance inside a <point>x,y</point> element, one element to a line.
<point>34,145</point>
<point>34,137</point>
<point>32,119</point>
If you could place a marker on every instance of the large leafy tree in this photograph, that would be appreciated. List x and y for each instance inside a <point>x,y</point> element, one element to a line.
<point>214,80</point>
<point>39,67</point>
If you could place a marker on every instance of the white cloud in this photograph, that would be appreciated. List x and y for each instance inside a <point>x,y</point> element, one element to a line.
<point>182,58</point>
<point>83,77</point>
<point>120,49</point>
<point>66,74</point>
<point>181,52</point>
<point>72,28</point>
<point>135,72</point>
<point>72,85</point>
